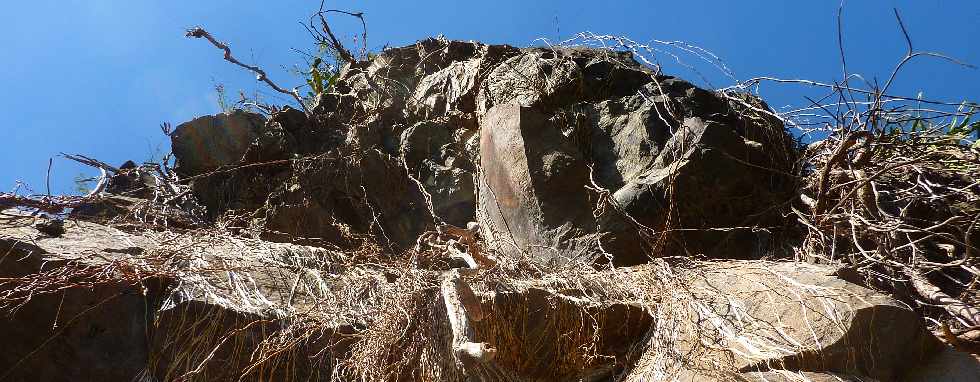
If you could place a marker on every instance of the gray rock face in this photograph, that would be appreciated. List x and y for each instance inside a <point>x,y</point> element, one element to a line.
<point>625,138</point>
<point>738,319</point>
<point>705,175</point>
<point>781,319</point>
<point>555,78</point>
<point>329,200</point>
<point>431,120</point>
<point>532,201</point>
<point>208,142</point>
<point>434,153</point>
<point>714,178</point>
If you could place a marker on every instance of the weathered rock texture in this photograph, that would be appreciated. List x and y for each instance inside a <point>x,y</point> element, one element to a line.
<point>332,244</point>
<point>78,334</point>
<point>444,131</point>
<point>800,317</point>
<point>111,323</point>
<point>209,142</point>
<point>761,318</point>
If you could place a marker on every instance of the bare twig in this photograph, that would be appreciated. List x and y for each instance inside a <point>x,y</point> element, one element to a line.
<point>47,178</point>
<point>198,32</point>
<point>932,293</point>
<point>332,39</point>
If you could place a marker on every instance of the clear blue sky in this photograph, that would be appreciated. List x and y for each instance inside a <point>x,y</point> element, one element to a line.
<point>97,77</point>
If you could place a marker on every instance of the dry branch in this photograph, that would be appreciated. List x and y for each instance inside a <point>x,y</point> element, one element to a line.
<point>198,32</point>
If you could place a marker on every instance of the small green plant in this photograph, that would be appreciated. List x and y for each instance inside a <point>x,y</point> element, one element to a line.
<point>222,97</point>
<point>321,74</point>
<point>960,127</point>
<point>963,129</point>
<point>320,79</point>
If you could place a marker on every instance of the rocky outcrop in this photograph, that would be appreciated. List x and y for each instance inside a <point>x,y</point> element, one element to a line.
<point>787,317</point>
<point>706,180</point>
<point>210,309</point>
<point>750,319</point>
<point>674,158</point>
<point>614,223</point>
<point>532,197</point>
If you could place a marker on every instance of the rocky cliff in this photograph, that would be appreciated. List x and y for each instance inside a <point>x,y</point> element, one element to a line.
<point>456,211</point>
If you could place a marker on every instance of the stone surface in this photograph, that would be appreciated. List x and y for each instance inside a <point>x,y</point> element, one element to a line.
<point>834,325</point>
<point>78,334</point>
<point>625,137</point>
<point>329,199</point>
<point>532,201</point>
<point>792,317</point>
<point>603,118</point>
<point>211,141</point>
<point>948,366</point>
<point>114,328</point>
<point>673,155</point>
<point>186,335</point>
<point>536,332</point>
<point>771,321</point>
<point>434,153</point>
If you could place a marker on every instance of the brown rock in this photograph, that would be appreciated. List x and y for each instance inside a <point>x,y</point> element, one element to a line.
<point>532,202</point>
<point>208,142</point>
<point>96,333</point>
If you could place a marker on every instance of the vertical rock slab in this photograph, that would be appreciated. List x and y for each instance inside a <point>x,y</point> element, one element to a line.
<point>532,202</point>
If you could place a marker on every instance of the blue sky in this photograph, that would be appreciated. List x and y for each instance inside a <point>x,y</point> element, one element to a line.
<point>98,77</point>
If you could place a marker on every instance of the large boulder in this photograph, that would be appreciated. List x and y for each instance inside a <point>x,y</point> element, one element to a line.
<point>212,141</point>
<point>690,171</point>
<point>708,321</point>
<point>768,318</point>
<point>703,178</point>
<point>718,188</point>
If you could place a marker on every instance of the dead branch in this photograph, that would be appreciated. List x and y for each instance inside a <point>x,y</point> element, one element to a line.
<point>54,205</point>
<point>103,167</point>
<point>932,293</point>
<point>198,32</point>
<point>330,39</point>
